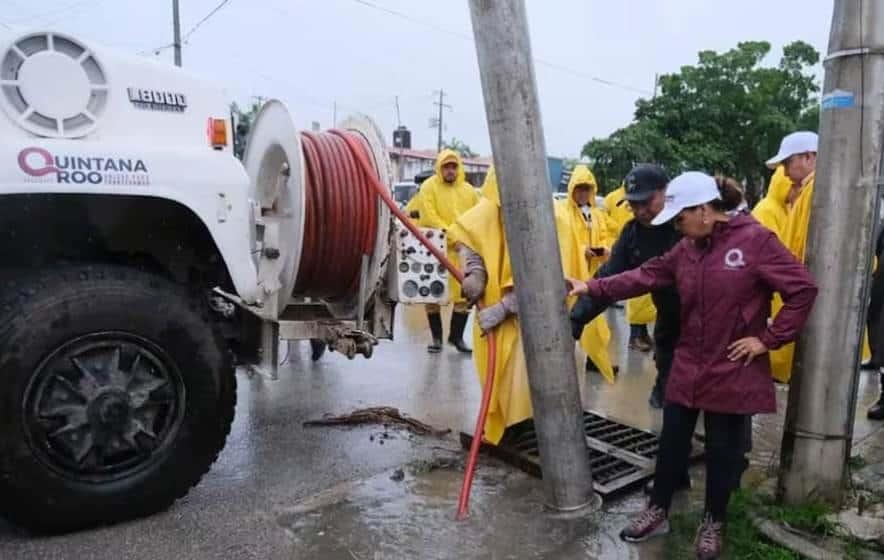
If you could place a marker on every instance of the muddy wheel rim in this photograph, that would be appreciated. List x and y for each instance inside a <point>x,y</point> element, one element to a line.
<point>103,406</point>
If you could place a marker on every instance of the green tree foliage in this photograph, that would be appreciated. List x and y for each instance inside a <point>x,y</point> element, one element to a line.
<point>460,147</point>
<point>244,119</point>
<point>726,114</point>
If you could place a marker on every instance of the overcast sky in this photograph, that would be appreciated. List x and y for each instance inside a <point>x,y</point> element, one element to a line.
<point>363,53</point>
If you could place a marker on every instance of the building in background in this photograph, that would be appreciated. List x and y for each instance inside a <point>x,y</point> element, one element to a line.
<point>408,163</point>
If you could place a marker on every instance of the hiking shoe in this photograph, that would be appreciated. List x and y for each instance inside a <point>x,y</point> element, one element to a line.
<point>647,524</point>
<point>709,539</point>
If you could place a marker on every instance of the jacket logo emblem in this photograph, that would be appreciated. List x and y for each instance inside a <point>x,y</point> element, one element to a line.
<point>734,259</point>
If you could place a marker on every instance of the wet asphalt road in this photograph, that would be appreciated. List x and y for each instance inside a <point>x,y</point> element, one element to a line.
<point>280,490</point>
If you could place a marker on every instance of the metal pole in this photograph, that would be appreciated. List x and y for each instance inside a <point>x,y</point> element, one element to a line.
<point>500,28</point>
<point>176,30</point>
<point>441,105</point>
<point>818,431</point>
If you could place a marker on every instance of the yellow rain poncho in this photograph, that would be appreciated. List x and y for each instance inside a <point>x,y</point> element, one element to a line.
<point>771,210</point>
<point>791,227</point>
<point>798,220</point>
<point>619,214</point>
<point>772,213</point>
<point>414,205</point>
<point>481,229</point>
<point>640,310</point>
<point>575,235</point>
<point>442,203</point>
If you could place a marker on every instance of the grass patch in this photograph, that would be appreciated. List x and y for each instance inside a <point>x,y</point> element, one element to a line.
<point>742,540</point>
<point>808,517</point>
<point>856,462</point>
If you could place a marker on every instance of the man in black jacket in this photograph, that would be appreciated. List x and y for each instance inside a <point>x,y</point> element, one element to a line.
<point>638,242</point>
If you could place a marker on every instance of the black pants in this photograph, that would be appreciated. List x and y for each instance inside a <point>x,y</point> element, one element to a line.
<point>873,318</point>
<point>663,356</point>
<point>725,434</point>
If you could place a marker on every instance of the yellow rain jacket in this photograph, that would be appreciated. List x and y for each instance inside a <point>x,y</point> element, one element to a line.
<point>619,214</point>
<point>772,213</point>
<point>481,229</point>
<point>414,205</point>
<point>640,310</point>
<point>798,220</point>
<point>793,234</point>
<point>442,203</point>
<point>771,210</point>
<point>574,237</point>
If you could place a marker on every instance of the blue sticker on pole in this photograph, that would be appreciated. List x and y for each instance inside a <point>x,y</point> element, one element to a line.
<point>838,99</point>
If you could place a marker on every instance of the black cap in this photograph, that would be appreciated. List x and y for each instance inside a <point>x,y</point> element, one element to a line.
<point>643,181</point>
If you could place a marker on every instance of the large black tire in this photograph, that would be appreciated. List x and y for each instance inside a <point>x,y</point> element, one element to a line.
<point>120,356</point>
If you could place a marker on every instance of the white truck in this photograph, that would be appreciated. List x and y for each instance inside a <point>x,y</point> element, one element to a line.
<point>140,263</point>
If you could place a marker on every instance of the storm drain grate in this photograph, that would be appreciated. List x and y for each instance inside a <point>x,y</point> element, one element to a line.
<point>621,457</point>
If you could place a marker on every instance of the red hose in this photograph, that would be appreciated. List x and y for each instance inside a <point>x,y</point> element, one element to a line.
<point>341,217</point>
<point>357,147</point>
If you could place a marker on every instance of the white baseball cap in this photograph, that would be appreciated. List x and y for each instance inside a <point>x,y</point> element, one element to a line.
<point>691,188</point>
<point>799,142</point>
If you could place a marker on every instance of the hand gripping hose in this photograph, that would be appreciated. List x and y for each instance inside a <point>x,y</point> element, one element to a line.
<point>358,150</point>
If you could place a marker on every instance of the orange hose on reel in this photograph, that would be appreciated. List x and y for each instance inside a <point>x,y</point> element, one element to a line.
<point>360,152</point>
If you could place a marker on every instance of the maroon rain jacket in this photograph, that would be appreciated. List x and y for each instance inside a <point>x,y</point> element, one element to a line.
<point>725,285</point>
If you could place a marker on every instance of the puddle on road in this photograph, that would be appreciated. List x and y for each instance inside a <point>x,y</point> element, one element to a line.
<point>384,519</point>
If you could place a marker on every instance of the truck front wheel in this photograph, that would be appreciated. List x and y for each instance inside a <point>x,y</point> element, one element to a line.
<point>116,396</point>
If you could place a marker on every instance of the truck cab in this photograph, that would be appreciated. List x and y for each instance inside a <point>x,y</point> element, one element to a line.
<point>142,262</point>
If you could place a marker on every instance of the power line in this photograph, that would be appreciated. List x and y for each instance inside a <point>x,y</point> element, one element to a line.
<point>157,50</point>
<point>190,32</point>
<point>539,61</point>
<point>204,20</point>
<point>414,20</point>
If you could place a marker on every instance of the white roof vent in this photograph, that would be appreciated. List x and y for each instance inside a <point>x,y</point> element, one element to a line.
<point>53,86</point>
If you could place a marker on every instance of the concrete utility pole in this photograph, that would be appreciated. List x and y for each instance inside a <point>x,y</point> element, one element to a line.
<point>822,398</point>
<point>176,31</point>
<point>500,28</point>
<point>438,121</point>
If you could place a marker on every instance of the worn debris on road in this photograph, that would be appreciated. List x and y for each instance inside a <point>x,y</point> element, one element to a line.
<point>386,415</point>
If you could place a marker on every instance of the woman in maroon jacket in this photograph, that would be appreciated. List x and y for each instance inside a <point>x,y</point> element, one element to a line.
<point>725,269</point>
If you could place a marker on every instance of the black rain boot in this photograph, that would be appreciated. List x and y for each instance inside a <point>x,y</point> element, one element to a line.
<point>317,349</point>
<point>455,337</point>
<point>435,320</point>
<point>876,411</point>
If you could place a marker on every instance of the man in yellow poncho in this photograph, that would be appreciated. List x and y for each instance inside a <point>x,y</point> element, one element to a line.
<point>640,311</point>
<point>442,199</point>
<point>797,155</point>
<point>772,212</point>
<point>479,236</point>
<point>585,243</point>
